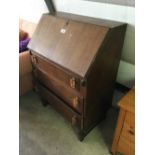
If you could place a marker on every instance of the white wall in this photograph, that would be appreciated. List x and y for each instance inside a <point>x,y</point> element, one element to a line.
<point>32,10</point>
<point>126,73</point>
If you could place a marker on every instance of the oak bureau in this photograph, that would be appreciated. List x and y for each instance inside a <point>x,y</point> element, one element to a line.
<point>75,61</point>
<point>124,137</point>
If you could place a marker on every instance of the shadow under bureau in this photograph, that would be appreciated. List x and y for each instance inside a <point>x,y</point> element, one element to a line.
<point>75,61</point>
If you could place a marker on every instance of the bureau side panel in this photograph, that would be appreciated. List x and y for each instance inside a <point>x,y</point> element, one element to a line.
<point>101,77</point>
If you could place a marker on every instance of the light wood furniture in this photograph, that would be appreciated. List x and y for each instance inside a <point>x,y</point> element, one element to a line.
<point>124,137</point>
<point>75,61</point>
<point>25,66</point>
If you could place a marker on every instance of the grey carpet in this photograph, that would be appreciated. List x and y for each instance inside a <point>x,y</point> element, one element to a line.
<point>43,131</point>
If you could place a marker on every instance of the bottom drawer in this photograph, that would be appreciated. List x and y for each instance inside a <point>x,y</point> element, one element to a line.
<point>125,146</point>
<point>60,106</point>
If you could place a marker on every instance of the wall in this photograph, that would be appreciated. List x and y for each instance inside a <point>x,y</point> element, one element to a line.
<point>32,10</point>
<point>119,2</point>
<point>126,73</point>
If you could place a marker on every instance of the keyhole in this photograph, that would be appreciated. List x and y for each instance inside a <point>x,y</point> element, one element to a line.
<point>63,30</point>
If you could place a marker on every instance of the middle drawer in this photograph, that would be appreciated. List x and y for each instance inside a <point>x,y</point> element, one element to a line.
<point>72,97</point>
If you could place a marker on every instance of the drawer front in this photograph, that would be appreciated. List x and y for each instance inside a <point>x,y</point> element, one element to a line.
<point>125,147</point>
<point>128,130</point>
<point>60,106</point>
<point>130,119</point>
<point>70,96</point>
<point>56,72</point>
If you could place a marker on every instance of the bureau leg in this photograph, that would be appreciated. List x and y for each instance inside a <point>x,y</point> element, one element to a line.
<point>80,137</point>
<point>80,134</point>
<point>77,129</point>
<point>44,102</point>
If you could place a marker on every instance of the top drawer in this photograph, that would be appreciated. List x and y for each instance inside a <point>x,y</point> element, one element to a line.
<point>56,72</point>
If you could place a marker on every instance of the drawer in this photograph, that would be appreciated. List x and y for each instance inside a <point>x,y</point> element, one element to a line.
<point>130,119</point>
<point>128,130</point>
<point>60,106</point>
<point>70,96</point>
<point>125,147</point>
<point>55,72</point>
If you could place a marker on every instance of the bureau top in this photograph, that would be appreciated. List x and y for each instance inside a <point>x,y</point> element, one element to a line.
<point>91,20</point>
<point>69,42</point>
<point>128,101</point>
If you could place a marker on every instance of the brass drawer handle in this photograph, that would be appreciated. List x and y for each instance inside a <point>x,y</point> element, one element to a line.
<point>75,102</point>
<point>131,132</point>
<point>72,82</point>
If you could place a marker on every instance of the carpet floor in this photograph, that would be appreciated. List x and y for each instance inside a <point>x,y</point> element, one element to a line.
<point>43,131</point>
